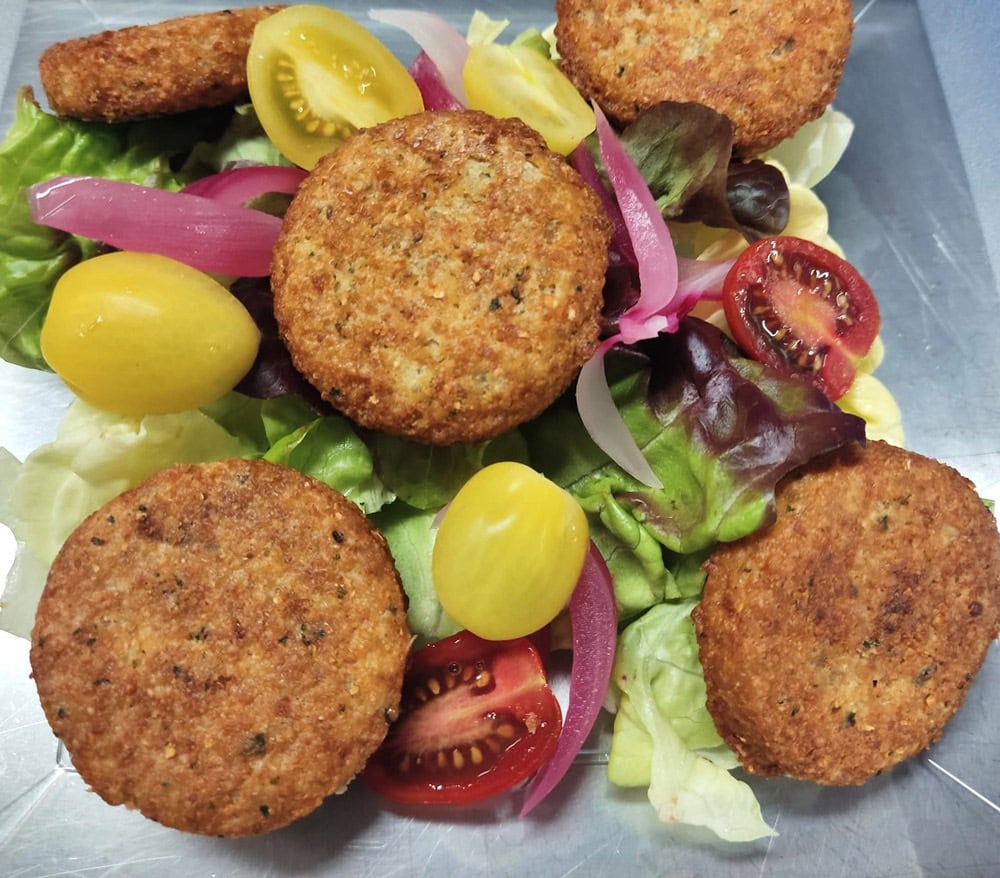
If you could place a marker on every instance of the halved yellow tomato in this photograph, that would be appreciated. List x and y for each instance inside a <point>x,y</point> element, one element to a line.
<point>520,81</point>
<point>316,76</point>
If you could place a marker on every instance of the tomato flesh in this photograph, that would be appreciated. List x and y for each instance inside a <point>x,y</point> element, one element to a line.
<point>476,718</point>
<point>517,81</point>
<point>316,76</point>
<point>803,310</point>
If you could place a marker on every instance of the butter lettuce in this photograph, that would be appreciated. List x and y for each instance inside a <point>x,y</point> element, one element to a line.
<point>815,149</point>
<point>664,737</point>
<point>94,457</point>
<point>330,450</point>
<point>410,534</point>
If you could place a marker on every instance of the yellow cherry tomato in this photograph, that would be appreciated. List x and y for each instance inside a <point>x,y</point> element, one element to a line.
<point>508,552</point>
<point>316,76</point>
<point>138,334</point>
<point>519,81</point>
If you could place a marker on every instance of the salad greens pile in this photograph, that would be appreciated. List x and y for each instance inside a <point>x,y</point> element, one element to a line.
<point>718,429</point>
<point>166,153</point>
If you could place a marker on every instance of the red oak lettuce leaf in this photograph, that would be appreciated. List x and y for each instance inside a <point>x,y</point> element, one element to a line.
<point>685,153</point>
<point>718,429</point>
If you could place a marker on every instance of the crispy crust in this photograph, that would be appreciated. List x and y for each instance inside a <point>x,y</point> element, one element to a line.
<point>770,67</point>
<point>440,276</point>
<point>152,70</point>
<point>841,640</point>
<point>222,646</point>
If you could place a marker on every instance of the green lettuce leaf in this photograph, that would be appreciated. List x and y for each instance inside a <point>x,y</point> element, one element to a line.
<point>410,534</point>
<point>719,431</point>
<point>94,457</point>
<point>243,140</point>
<point>330,450</point>
<point>260,422</point>
<point>424,479</point>
<point>664,737</point>
<point>428,476</point>
<point>39,146</point>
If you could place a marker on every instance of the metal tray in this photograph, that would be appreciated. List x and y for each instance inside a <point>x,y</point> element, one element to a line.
<point>901,206</point>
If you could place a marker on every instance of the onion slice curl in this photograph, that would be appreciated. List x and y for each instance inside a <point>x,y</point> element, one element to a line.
<point>594,621</point>
<point>200,232</point>
<point>239,185</point>
<point>442,43</point>
<point>669,288</point>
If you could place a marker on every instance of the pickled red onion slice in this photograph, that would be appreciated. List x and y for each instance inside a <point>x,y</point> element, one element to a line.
<point>701,279</point>
<point>200,232</point>
<point>432,87</point>
<point>237,186</point>
<point>594,620</point>
<point>621,243</point>
<point>444,45</point>
<point>650,237</point>
<point>603,422</point>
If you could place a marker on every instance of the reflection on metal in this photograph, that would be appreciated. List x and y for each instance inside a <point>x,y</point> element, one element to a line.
<point>965,786</point>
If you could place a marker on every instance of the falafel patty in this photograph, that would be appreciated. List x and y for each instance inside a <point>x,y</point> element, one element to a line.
<point>222,646</point>
<point>440,276</point>
<point>151,70</point>
<point>840,641</point>
<point>769,67</point>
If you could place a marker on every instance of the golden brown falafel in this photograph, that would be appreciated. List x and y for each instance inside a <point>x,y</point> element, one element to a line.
<point>151,70</point>
<point>440,276</point>
<point>769,67</point>
<point>840,641</point>
<point>222,646</point>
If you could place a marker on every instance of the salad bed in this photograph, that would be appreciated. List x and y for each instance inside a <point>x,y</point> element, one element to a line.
<point>624,390</point>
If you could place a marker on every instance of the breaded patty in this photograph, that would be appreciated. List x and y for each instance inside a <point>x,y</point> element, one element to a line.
<point>841,640</point>
<point>440,276</point>
<point>152,70</point>
<point>770,67</point>
<point>222,646</point>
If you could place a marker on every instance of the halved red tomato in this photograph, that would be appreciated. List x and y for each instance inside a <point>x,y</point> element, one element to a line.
<point>476,718</point>
<point>800,308</point>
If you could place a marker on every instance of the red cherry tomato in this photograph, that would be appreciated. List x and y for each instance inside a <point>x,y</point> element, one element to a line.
<point>800,308</point>
<point>476,718</point>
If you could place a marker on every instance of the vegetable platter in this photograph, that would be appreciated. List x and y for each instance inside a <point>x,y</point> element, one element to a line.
<point>901,207</point>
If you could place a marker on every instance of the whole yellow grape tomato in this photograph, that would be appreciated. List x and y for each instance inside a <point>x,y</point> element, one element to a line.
<point>137,334</point>
<point>508,552</point>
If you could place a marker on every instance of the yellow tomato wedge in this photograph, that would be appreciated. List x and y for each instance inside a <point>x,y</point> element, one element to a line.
<point>519,81</point>
<point>141,334</point>
<point>316,76</point>
<point>508,552</point>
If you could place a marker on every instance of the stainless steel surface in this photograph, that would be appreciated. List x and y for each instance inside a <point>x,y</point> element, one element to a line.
<point>902,206</point>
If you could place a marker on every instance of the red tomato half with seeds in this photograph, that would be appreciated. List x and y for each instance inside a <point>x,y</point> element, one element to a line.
<point>476,718</point>
<point>799,308</point>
